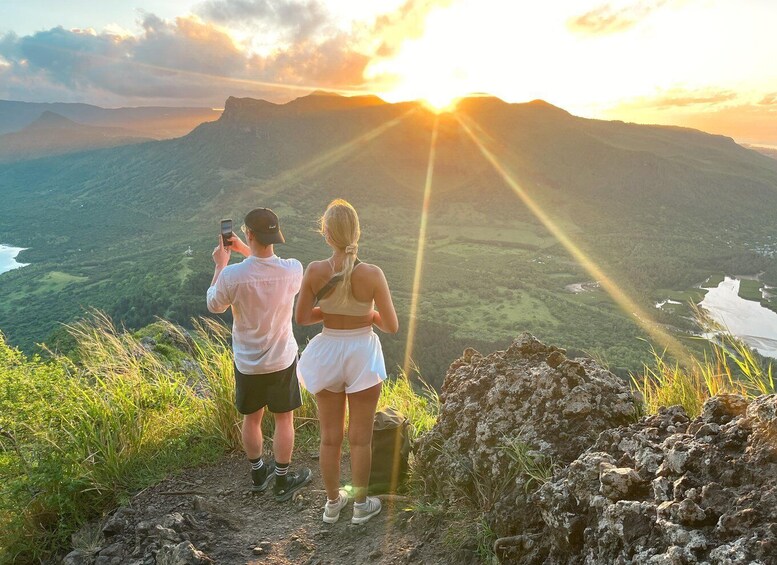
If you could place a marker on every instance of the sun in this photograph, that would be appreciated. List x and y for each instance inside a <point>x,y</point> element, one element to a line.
<point>440,102</point>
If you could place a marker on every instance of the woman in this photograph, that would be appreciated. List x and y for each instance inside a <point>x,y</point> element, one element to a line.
<point>344,363</point>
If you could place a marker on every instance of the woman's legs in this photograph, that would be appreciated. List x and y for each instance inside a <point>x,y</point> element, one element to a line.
<point>361,410</point>
<point>331,417</point>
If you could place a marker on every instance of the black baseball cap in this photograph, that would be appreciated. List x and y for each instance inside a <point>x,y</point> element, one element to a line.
<point>265,226</point>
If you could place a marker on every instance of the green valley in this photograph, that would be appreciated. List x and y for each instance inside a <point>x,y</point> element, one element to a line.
<point>657,209</point>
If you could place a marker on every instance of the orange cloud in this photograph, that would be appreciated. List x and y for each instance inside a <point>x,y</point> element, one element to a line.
<point>607,19</point>
<point>723,112</point>
<point>769,99</point>
<point>694,100</point>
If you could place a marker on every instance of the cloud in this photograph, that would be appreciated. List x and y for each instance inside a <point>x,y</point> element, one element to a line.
<point>406,22</point>
<point>608,19</point>
<point>747,117</point>
<point>194,60</point>
<point>184,60</point>
<point>769,99</point>
<point>298,19</point>
<point>683,99</point>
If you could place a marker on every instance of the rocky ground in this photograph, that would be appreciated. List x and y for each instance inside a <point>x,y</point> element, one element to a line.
<point>208,515</point>
<point>668,490</point>
<point>545,455</point>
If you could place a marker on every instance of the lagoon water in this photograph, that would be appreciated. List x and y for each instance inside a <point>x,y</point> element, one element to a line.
<point>8,260</point>
<point>746,319</point>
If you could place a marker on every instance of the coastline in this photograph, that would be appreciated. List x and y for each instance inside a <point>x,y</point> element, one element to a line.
<point>8,255</point>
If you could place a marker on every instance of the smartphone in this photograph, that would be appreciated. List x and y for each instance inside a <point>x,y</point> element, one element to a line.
<point>226,232</point>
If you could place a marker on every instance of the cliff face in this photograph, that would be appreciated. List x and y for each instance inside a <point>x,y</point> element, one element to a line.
<point>550,450</point>
<point>510,416</point>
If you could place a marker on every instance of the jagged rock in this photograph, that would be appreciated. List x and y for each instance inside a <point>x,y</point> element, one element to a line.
<point>79,557</point>
<point>529,397</point>
<point>118,522</point>
<point>617,482</point>
<point>707,492</point>
<point>182,554</point>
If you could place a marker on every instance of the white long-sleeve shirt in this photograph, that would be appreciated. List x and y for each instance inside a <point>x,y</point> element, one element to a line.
<point>261,292</point>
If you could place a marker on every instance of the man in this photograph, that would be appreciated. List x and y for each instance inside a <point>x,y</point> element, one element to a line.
<point>261,291</point>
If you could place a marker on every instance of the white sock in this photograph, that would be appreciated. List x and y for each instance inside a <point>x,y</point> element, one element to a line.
<point>256,465</point>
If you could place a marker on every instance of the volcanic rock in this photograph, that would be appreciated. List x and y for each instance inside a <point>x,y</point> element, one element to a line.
<point>529,402</point>
<point>712,495</point>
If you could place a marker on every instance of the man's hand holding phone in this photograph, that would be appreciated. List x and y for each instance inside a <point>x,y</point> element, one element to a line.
<point>221,254</point>
<point>237,245</point>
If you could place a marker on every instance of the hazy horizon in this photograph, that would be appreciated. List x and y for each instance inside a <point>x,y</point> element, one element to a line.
<point>657,61</point>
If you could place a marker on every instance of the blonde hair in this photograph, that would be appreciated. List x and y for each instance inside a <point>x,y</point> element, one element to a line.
<point>340,227</point>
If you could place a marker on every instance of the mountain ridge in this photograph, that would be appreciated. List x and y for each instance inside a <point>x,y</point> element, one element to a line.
<point>659,209</point>
<point>52,134</point>
<point>158,122</point>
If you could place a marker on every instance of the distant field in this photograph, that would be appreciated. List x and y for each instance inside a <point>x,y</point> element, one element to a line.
<point>654,210</point>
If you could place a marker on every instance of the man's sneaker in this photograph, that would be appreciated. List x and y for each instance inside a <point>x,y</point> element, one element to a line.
<point>285,486</point>
<point>261,477</point>
<point>362,512</point>
<point>332,509</point>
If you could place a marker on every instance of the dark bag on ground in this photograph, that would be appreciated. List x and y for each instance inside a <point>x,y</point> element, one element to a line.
<point>390,451</point>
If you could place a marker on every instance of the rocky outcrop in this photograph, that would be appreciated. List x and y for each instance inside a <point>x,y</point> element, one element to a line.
<point>165,541</point>
<point>667,490</point>
<point>511,414</point>
<point>549,449</point>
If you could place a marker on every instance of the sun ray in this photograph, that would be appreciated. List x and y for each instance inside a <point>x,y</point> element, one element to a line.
<point>390,503</point>
<point>419,256</point>
<point>327,159</point>
<point>626,303</point>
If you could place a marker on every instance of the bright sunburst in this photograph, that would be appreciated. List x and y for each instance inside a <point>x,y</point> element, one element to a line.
<point>440,102</point>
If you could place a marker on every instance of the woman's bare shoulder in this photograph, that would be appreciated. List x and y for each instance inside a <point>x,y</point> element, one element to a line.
<point>370,271</point>
<point>319,266</point>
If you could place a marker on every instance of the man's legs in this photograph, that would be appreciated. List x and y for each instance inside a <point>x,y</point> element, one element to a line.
<point>253,443</point>
<point>283,439</point>
<point>252,434</point>
<point>283,399</point>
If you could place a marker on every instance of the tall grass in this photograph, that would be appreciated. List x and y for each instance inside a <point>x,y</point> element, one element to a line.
<point>732,367</point>
<point>79,438</point>
<point>80,434</point>
<point>419,407</point>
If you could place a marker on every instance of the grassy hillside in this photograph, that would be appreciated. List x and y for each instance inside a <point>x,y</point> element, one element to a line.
<point>658,209</point>
<point>81,434</point>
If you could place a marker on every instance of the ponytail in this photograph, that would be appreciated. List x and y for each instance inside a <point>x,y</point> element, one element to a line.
<point>340,226</point>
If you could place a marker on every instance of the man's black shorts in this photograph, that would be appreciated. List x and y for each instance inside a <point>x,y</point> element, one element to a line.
<point>279,391</point>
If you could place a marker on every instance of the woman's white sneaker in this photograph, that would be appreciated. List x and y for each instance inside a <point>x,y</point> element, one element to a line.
<point>363,511</point>
<point>332,509</point>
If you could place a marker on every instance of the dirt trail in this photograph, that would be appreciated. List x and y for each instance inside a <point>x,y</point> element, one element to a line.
<point>228,523</point>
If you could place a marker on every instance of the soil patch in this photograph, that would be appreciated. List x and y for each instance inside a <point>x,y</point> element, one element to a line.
<point>212,509</point>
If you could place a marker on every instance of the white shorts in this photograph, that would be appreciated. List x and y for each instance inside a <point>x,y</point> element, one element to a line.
<point>342,360</point>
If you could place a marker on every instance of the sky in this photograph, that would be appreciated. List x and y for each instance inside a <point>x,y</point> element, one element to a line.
<point>708,64</point>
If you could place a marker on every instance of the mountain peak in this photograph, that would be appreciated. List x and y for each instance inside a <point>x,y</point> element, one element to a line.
<point>52,120</point>
<point>539,103</point>
<point>239,109</point>
<point>252,109</point>
<point>323,93</point>
<point>323,100</point>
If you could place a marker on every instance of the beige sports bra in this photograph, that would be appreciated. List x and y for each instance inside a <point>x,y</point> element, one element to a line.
<point>337,302</point>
